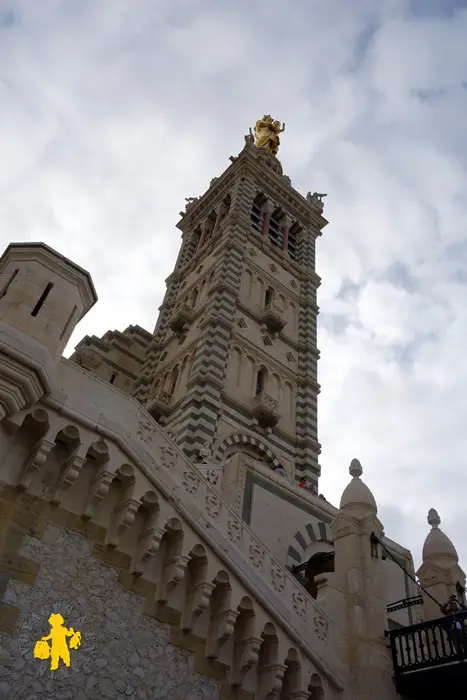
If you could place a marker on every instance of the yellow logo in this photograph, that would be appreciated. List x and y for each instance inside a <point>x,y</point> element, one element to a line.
<point>58,649</point>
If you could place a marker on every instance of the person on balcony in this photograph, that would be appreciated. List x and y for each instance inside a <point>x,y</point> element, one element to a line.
<point>455,627</point>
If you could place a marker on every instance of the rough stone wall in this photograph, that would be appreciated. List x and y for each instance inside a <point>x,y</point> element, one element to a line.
<point>123,655</point>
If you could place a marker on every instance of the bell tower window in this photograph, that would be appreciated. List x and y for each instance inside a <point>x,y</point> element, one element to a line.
<point>257,213</point>
<point>292,244</point>
<point>275,233</point>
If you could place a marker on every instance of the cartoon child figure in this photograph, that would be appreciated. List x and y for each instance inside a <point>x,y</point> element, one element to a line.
<point>58,637</point>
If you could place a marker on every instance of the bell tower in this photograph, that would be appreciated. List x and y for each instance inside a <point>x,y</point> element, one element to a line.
<point>232,363</point>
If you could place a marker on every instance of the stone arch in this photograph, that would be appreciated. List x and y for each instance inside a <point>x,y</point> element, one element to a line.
<point>245,439</point>
<point>310,534</point>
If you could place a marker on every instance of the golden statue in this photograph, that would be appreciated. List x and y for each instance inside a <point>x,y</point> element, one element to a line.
<point>267,133</point>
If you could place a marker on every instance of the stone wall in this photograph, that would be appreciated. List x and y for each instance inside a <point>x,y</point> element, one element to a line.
<point>124,654</point>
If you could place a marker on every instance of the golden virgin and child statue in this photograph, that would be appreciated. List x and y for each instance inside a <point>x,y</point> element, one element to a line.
<point>267,132</point>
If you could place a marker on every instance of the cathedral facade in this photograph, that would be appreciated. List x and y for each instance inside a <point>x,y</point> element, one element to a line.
<point>161,491</point>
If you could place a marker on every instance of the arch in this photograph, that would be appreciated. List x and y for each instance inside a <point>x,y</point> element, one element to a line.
<point>194,297</point>
<point>275,387</point>
<point>288,398</point>
<point>248,283</point>
<point>315,687</point>
<point>245,439</point>
<point>305,537</point>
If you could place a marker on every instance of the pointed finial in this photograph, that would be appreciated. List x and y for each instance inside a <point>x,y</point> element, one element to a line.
<point>433,518</point>
<point>355,469</point>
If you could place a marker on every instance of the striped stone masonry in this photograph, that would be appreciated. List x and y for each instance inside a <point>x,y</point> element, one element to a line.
<point>308,388</point>
<point>199,414</point>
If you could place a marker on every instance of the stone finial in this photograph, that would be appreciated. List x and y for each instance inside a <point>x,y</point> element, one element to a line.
<point>437,545</point>
<point>355,469</point>
<point>433,518</point>
<point>357,496</point>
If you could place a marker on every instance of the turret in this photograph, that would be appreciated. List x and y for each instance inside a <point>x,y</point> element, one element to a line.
<point>440,573</point>
<point>43,296</point>
<point>354,592</point>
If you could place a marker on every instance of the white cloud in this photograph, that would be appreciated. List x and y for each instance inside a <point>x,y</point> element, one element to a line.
<point>112,115</point>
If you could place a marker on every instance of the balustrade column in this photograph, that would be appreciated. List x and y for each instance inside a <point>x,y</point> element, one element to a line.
<point>267,209</point>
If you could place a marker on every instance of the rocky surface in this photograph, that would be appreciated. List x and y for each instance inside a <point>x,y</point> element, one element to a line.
<point>123,655</point>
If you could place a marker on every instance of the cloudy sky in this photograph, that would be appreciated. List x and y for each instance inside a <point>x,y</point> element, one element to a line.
<point>112,112</point>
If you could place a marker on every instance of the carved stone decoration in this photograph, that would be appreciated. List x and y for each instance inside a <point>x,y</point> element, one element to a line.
<point>213,506</point>
<point>299,604</point>
<point>234,531</point>
<point>240,488</point>
<point>123,518</point>
<point>246,656</point>
<point>190,482</point>
<point>321,627</point>
<point>277,578</point>
<point>212,476</point>
<point>168,457</point>
<point>144,429</point>
<point>34,463</point>
<point>99,489</point>
<point>71,471</point>
<point>256,556</point>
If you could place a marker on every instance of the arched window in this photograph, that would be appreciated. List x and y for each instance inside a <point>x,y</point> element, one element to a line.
<point>173,380</point>
<point>261,380</point>
<point>269,296</point>
<point>194,297</point>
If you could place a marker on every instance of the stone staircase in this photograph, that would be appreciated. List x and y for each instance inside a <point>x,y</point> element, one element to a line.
<point>89,458</point>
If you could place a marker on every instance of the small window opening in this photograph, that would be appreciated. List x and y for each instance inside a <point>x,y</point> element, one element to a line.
<point>113,377</point>
<point>8,284</point>
<point>269,296</point>
<point>173,380</point>
<point>67,324</point>
<point>42,299</point>
<point>260,381</point>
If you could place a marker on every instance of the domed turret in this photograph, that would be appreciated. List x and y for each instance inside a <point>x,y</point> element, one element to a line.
<point>437,544</point>
<point>357,495</point>
<point>43,296</point>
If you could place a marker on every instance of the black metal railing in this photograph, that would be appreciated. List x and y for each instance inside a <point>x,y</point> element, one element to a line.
<point>429,644</point>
